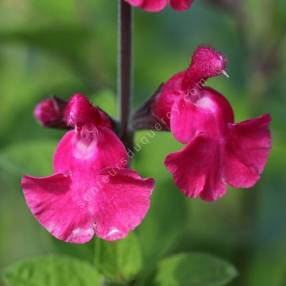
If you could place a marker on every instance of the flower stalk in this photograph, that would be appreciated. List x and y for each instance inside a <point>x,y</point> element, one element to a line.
<point>125,71</point>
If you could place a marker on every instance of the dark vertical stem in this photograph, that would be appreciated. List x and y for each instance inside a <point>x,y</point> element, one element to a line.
<point>125,71</point>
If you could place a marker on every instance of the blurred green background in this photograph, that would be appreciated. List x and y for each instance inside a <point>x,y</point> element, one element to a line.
<point>51,47</point>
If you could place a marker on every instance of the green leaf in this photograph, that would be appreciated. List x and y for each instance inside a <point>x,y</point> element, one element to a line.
<point>51,271</point>
<point>194,269</point>
<point>119,261</point>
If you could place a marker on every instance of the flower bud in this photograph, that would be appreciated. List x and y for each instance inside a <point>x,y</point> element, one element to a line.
<point>49,112</point>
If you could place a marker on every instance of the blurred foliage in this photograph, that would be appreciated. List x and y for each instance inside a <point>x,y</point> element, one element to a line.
<point>61,47</point>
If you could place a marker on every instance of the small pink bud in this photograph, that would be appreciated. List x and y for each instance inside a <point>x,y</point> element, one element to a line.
<point>49,112</point>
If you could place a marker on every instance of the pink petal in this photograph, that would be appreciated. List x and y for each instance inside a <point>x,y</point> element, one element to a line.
<point>123,201</point>
<point>170,92</point>
<point>72,209</point>
<point>218,104</point>
<point>58,208</point>
<point>188,119</point>
<point>79,111</point>
<point>206,111</point>
<point>197,169</point>
<point>248,147</point>
<point>83,155</point>
<point>135,2</point>
<point>149,5</point>
<point>180,5</point>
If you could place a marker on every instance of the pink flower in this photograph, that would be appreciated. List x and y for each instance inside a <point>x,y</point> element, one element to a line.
<point>218,151</point>
<point>158,5</point>
<point>92,192</point>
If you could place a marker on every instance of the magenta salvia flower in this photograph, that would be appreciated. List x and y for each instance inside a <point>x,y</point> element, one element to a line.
<point>92,191</point>
<point>218,151</point>
<point>158,5</point>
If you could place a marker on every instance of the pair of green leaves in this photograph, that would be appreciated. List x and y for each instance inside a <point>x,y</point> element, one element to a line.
<point>119,262</point>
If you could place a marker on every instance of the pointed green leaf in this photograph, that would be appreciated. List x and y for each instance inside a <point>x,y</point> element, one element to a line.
<point>194,269</point>
<point>51,271</point>
<point>119,261</point>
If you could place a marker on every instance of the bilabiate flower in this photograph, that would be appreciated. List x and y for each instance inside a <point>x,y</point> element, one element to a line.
<point>218,151</point>
<point>92,191</point>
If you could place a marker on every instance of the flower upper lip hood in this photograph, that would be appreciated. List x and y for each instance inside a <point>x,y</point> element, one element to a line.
<point>158,5</point>
<point>206,63</point>
<point>79,112</point>
<point>92,191</point>
<point>218,151</point>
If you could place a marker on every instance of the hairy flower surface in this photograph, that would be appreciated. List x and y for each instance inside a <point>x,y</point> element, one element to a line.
<point>158,5</point>
<point>218,151</point>
<point>92,191</point>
